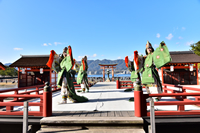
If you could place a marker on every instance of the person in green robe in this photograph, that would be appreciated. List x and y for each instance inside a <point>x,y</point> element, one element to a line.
<point>152,60</point>
<point>65,78</point>
<point>82,75</point>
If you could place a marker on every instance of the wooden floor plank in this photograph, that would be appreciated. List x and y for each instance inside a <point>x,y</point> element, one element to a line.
<point>125,114</point>
<point>90,114</point>
<point>131,113</point>
<point>71,113</point>
<point>77,113</point>
<point>111,114</point>
<point>97,114</point>
<point>118,114</point>
<point>104,113</point>
<point>83,114</point>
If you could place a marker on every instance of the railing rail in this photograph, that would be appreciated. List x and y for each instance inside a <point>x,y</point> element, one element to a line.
<point>45,100</point>
<point>180,94</point>
<point>124,84</point>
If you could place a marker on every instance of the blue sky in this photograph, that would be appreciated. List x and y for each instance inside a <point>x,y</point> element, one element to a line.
<point>100,29</point>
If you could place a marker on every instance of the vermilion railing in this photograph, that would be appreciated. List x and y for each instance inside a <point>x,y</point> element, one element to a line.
<point>180,94</point>
<point>124,84</point>
<point>30,92</point>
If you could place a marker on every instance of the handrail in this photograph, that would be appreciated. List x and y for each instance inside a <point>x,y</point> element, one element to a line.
<point>45,102</point>
<point>21,88</point>
<point>181,95</point>
<point>120,84</point>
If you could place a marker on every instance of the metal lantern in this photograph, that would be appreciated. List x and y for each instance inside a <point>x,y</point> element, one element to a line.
<point>41,70</point>
<point>171,68</point>
<point>23,70</point>
<point>191,67</point>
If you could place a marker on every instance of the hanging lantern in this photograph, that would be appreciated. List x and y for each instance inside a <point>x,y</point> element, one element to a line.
<point>23,70</point>
<point>171,68</point>
<point>191,67</point>
<point>41,70</point>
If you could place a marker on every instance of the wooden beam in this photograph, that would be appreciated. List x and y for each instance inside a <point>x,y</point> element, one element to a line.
<point>197,74</point>
<point>18,76</point>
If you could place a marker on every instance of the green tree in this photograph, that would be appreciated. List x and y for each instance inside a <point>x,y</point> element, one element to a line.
<point>9,72</point>
<point>196,48</point>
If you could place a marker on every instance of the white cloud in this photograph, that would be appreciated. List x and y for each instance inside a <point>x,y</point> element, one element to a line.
<point>183,28</point>
<point>158,35</point>
<point>56,43</point>
<point>49,43</point>
<point>131,57</point>
<point>45,44</point>
<point>94,55</point>
<point>180,37</point>
<point>189,43</point>
<point>119,57</point>
<point>169,37</point>
<point>18,48</point>
<point>80,58</point>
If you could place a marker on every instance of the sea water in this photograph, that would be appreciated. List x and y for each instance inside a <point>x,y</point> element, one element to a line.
<point>110,75</point>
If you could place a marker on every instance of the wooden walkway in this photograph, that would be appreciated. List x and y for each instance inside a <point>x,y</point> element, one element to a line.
<point>94,113</point>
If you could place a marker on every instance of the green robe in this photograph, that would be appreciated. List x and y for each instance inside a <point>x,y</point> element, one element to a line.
<point>82,74</point>
<point>159,58</point>
<point>66,66</point>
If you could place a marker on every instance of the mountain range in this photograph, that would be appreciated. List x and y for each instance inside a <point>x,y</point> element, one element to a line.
<point>93,65</point>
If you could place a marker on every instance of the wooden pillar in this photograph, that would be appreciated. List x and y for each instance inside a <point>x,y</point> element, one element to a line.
<point>26,75</point>
<point>112,73</point>
<point>197,74</point>
<point>50,76</point>
<point>47,101</point>
<point>18,75</point>
<point>103,73</point>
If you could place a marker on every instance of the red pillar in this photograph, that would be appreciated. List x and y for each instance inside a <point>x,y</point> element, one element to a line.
<point>197,74</point>
<point>112,74</point>
<point>103,73</point>
<point>18,76</point>
<point>139,101</point>
<point>26,76</point>
<point>50,76</point>
<point>117,84</point>
<point>47,103</point>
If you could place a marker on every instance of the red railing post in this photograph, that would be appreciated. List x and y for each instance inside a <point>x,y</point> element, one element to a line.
<point>37,90</point>
<point>139,101</point>
<point>165,91</point>
<point>117,84</point>
<point>180,107</point>
<point>16,92</point>
<point>47,100</point>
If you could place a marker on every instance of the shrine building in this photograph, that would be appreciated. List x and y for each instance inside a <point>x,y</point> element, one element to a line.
<point>182,70</point>
<point>2,67</point>
<point>32,70</point>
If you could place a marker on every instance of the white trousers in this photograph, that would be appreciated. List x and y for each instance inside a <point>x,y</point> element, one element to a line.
<point>64,87</point>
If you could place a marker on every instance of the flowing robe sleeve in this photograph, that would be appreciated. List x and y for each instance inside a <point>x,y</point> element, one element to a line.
<point>161,56</point>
